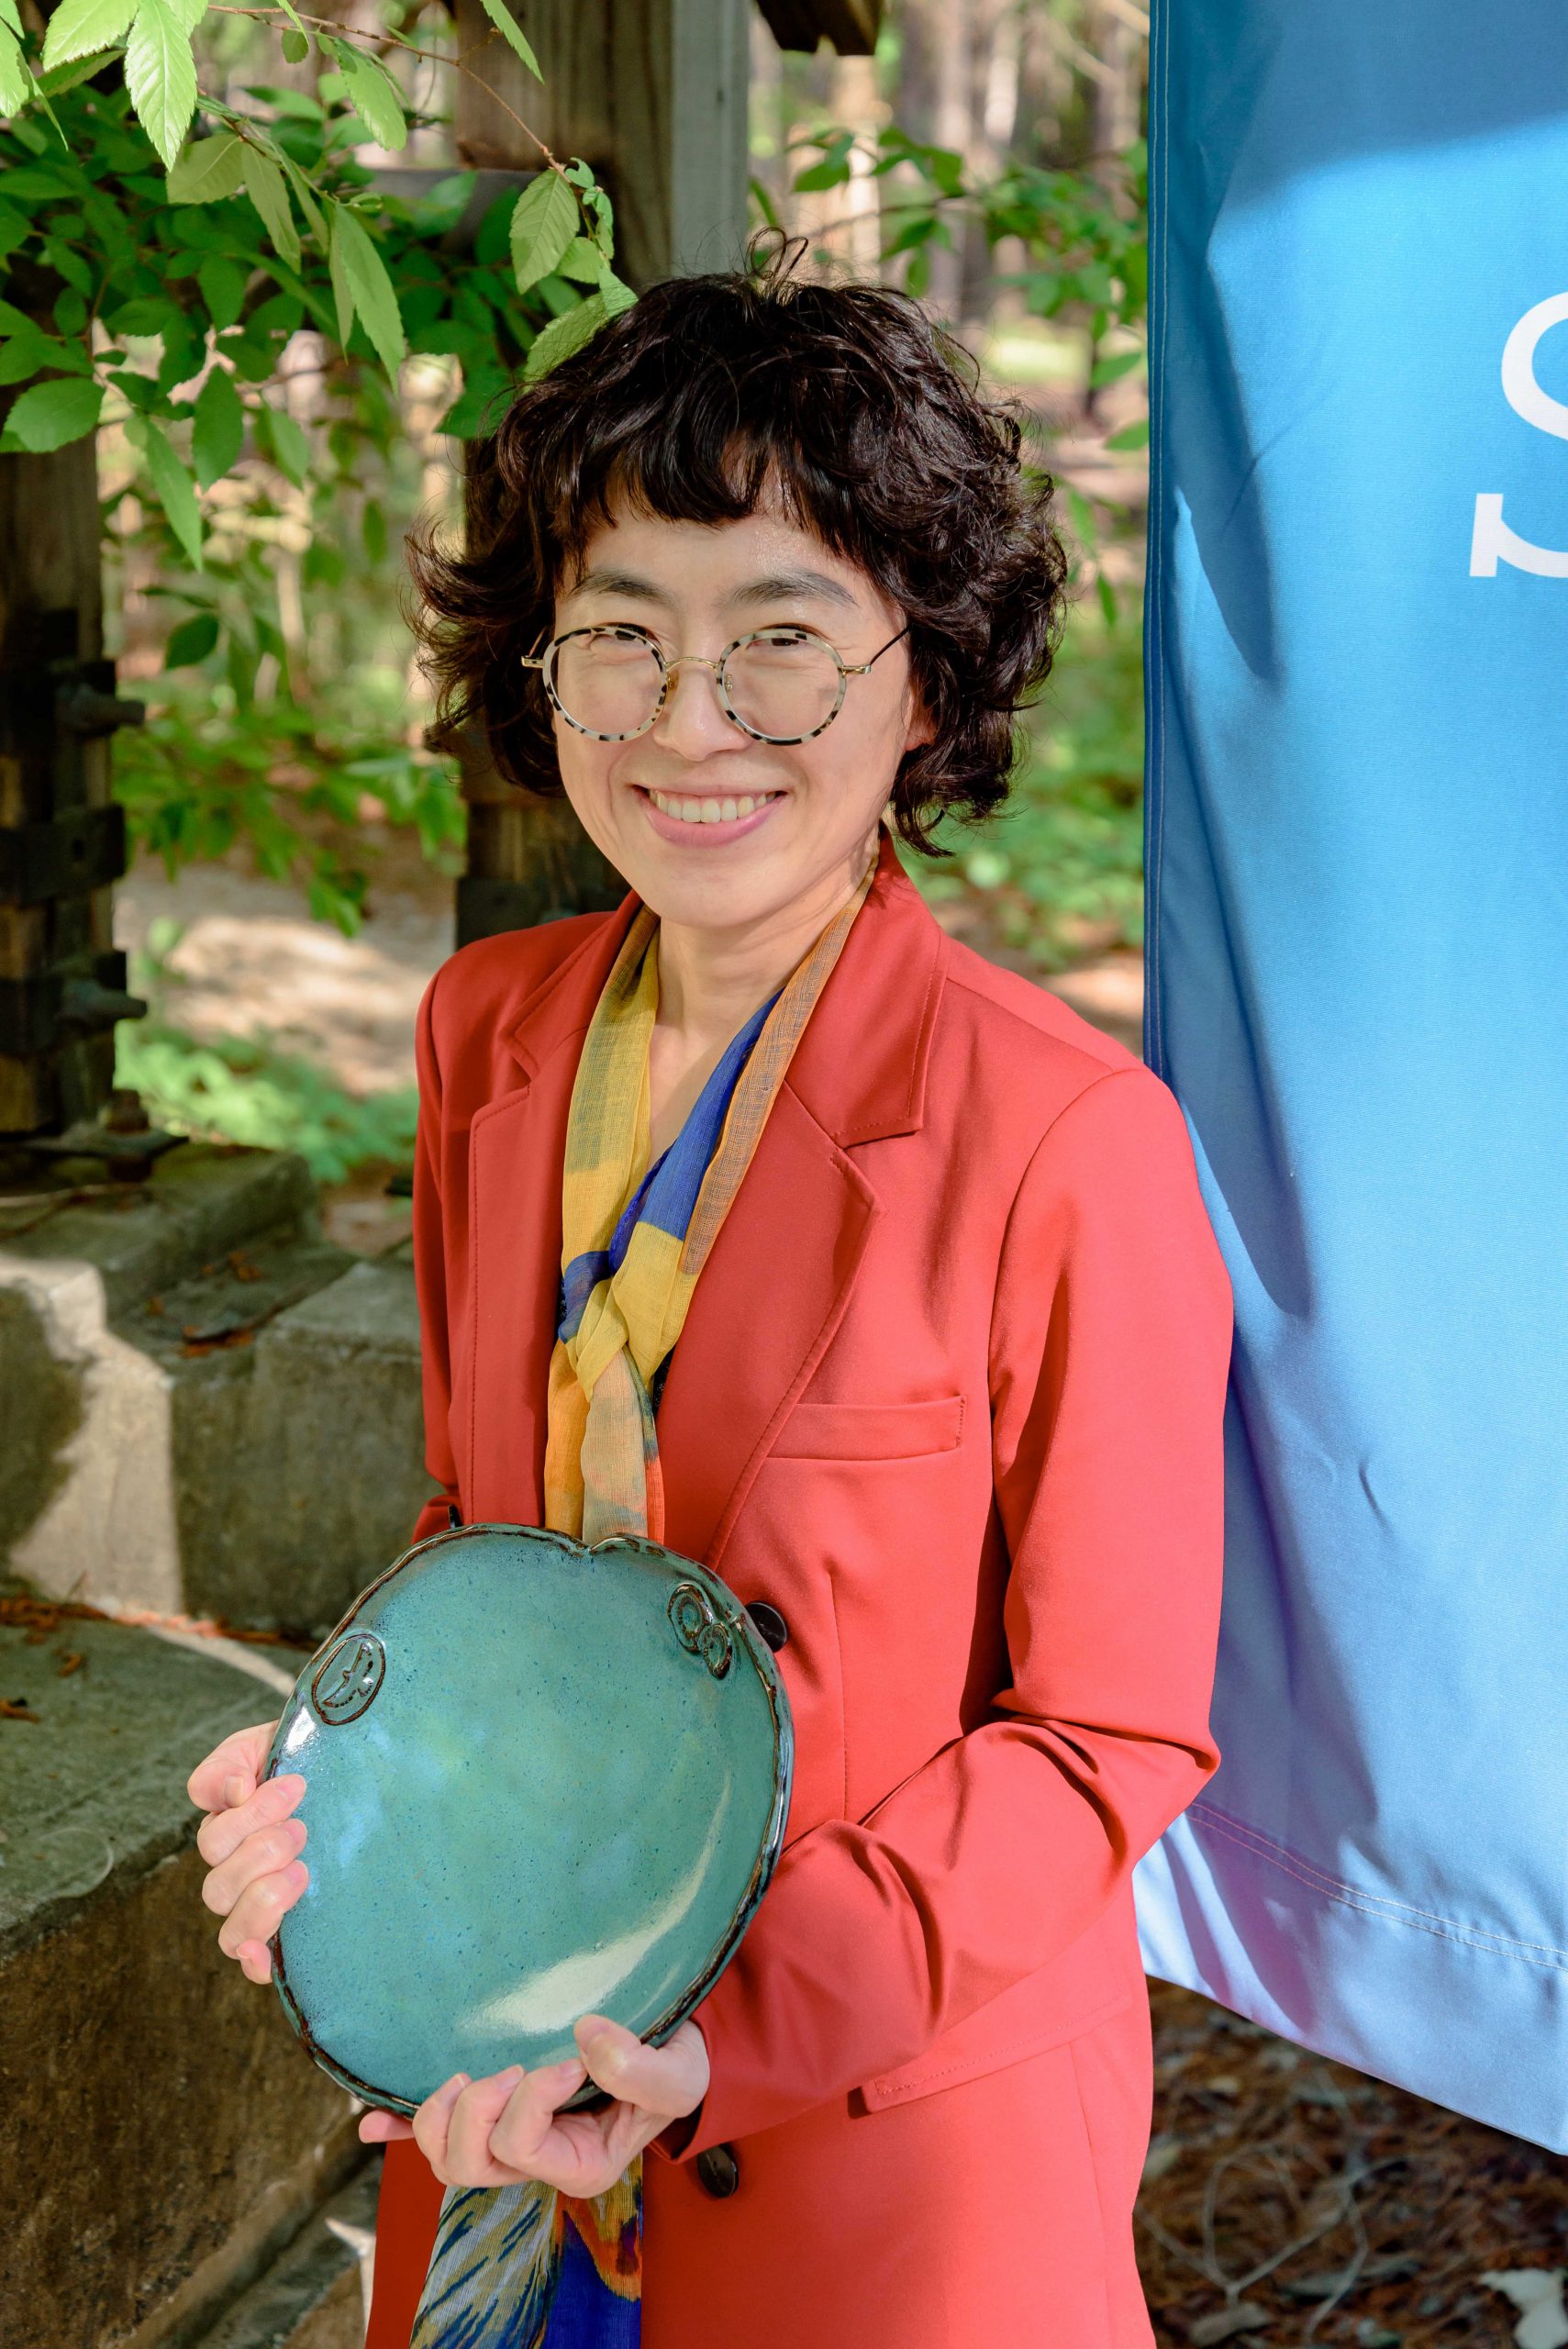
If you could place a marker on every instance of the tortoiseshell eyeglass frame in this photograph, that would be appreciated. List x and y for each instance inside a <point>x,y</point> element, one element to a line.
<point>544,660</point>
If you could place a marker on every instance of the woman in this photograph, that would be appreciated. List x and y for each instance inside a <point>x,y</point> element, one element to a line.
<point>947,1390</point>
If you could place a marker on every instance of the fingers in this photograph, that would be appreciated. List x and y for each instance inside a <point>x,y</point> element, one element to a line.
<point>267,1853</point>
<point>521,2133</point>
<point>256,1913</point>
<point>384,2128</point>
<point>431,2123</point>
<point>492,2132</point>
<point>478,2108</point>
<point>237,1763</point>
<point>667,2081</point>
<point>222,1832</point>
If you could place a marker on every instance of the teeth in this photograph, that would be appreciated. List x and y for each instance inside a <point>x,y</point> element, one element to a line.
<point>710,811</point>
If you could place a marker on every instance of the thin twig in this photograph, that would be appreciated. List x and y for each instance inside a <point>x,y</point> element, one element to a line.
<point>395,40</point>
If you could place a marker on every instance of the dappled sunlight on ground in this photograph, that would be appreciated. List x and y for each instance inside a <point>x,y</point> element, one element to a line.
<point>252,959</point>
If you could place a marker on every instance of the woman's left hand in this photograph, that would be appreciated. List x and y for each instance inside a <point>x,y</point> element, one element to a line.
<point>507,2129</point>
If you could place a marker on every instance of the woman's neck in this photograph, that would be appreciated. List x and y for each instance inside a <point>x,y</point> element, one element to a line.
<point>710,982</point>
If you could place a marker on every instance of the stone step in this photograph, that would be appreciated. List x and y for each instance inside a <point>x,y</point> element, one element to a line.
<point>240,1437</point>
<point>315,2295</point>
<point>169,2137</point>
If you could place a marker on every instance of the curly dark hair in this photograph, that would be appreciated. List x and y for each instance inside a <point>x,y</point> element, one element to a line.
<point>711,393</point>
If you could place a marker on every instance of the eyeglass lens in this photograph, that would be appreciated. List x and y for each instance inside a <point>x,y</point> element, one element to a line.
<point>778,682</point>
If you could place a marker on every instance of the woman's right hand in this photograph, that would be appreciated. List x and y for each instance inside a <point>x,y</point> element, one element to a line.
<point>251,1843</point>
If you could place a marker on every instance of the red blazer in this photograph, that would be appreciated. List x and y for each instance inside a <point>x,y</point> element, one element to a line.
<point>949,1397</point>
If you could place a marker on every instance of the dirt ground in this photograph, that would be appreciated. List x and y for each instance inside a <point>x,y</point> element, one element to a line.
<point>1287,2200</point>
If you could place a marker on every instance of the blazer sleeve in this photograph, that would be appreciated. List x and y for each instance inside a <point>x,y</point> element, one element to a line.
<point>1109,1350</point>
<point>430,1276</point>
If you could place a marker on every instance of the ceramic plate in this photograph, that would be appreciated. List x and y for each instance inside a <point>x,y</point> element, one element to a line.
<point>542,1781</point>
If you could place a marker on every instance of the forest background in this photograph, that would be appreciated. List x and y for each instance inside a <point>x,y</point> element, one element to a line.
<point>267,433</point>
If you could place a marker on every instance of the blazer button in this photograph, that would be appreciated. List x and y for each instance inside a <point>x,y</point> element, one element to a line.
<point>718,2171</point>
<point>769,1623</point>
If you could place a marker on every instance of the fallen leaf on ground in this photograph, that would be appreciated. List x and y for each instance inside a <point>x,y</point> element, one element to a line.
<point>1536,2293</point>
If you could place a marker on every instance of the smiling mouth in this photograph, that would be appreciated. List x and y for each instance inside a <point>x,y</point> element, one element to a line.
<point>711,809</point>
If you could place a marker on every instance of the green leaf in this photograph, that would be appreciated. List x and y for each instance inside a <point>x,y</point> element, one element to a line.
<point>15,82</point>
<point>615,294</point>
<point>209,169</point>
<point>1131,436</point>
<point>544,227</point>
<point>1111,370</point>
<point>78,28</point>
<point>48,415</point>
<point>218,432</point>
<point>296,47</point>
<point>474,410</point>
<point>25,353</point>
<point>342,292</point>
<point>354,255</point>
<point>288,442</point>
<point>373,94</point>
<point>582,262</point>
<point>223,284</point>
<point>564,336</point>
<point>60,78</point>
<point>304,194</point>
<point>511,31</point>
<point>142,316</point>
<point>175,490</point>
<point>268,191</point>
<point>161,75</point>
<point>191,642</point>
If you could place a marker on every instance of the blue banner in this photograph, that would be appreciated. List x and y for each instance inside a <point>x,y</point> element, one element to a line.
<point>1357,633</point>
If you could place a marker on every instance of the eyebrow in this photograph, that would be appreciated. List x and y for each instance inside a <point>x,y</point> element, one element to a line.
<point>771,587</point>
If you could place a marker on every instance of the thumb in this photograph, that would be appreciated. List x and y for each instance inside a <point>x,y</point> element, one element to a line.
<point>669,2080</point>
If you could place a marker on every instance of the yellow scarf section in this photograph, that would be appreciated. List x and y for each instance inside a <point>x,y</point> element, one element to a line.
<point>601,1475</point>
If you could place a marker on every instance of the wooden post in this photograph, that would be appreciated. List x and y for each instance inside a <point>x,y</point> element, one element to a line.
<point>61,841</point>
<point>652,94</point>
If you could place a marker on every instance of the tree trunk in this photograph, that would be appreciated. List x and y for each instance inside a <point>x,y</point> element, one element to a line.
<point>652,94</point>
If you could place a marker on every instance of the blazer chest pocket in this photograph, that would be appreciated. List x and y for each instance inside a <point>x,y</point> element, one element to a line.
<point>871,1431</point>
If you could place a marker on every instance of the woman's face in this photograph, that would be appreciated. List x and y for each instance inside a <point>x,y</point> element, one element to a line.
<point>815,805</point>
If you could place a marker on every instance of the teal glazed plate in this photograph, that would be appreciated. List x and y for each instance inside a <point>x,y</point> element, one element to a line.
<point>542,1781</point>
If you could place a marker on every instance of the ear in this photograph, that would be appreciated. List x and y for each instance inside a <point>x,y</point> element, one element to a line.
<point>922,726</point>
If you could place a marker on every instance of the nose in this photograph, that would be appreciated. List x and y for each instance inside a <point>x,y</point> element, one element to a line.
<point>693,721</point>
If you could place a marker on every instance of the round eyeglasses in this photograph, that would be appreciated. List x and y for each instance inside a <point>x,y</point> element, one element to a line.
<point>778,684</point>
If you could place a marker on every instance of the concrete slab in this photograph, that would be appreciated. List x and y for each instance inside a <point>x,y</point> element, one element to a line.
<point>156,1455</point>
<point>201,1199</point>
<point>167,2133</point>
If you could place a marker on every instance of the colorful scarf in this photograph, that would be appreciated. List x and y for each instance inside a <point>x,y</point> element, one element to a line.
<point>525,2266</point>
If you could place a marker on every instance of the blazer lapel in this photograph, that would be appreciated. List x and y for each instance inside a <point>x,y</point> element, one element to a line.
<point>784,1266</point>
<point>516,1144</point>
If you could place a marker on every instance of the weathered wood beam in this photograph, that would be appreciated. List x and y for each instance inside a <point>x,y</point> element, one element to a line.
<point>850,25</point>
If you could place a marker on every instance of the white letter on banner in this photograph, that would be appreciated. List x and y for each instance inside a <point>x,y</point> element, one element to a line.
<point>1492,542</point>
